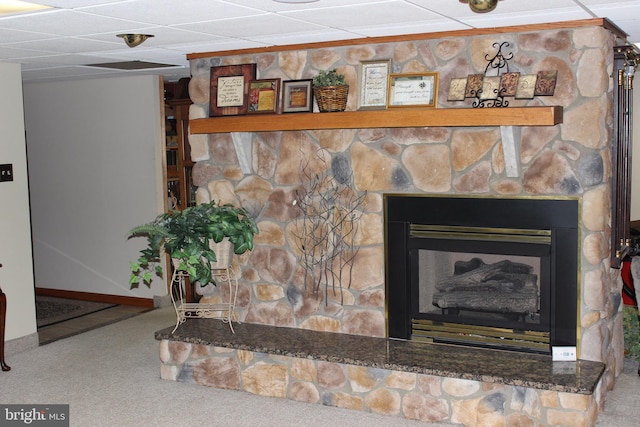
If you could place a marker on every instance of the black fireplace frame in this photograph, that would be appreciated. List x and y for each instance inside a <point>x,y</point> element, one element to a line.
<point>559,215</point>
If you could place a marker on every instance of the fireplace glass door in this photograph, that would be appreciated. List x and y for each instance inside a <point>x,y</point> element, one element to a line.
<point>493,280</point>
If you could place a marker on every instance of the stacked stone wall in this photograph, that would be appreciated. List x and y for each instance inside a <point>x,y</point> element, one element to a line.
<point>573,159</point>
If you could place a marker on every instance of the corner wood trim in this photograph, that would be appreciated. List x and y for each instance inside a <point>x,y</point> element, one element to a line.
<point>89,296</point>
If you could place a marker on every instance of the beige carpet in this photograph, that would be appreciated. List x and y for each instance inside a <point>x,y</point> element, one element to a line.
<point>110,377</point>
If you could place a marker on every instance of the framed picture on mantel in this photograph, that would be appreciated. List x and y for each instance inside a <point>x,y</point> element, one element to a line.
<point>413,90</point>
<point>230,89</point>
<point>264,96</point>
<point>297,96</point>
<point>374,82</point>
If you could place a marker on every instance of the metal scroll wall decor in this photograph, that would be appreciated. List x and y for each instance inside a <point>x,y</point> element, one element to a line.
<point>495,92</point>
<point>498,82</point>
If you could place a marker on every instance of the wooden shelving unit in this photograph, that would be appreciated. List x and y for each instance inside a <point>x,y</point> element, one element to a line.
<point>390,118</point>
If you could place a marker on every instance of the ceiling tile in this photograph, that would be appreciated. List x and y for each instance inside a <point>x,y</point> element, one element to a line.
<point>274,6</point>
<point>390,12</point>
<point>306,37</point>
<point>184,11</point>
<point>66,23</point>
<point>15,36</point>
<point>252,26</point>
<point>68,45</point>
<point>435,25</point>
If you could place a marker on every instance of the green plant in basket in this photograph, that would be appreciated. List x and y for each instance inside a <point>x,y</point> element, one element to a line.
<point>329,78</point>
<point>330,90</point>
<point>186,236</point>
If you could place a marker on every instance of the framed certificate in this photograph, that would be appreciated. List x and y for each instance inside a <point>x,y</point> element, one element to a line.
<point>229,89</point>
<point>374,83</point>
<point>413,90</point>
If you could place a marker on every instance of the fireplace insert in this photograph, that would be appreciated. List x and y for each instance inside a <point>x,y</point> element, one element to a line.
<point>482,271</point>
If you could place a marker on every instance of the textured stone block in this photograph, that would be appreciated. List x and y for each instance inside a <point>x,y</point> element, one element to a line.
<point>460,388</point>
<point>304,369</point>
<point>266,380</point>
<point>304,392</point>
<point>383,401</point>
<point>417,406</point>
<point>401,380</point>
<point>169,372</point>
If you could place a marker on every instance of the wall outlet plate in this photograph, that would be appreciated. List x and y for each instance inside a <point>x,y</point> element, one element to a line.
<point>6,172</point>
<point>563,354</point>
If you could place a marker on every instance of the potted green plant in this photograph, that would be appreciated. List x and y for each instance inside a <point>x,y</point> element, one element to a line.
<point>631,329</point>
<point>189,237</point>
<point>330,90</point>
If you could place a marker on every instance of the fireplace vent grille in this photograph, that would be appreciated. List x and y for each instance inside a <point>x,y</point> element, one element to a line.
<point>430,331</point>
<point>452,232</point>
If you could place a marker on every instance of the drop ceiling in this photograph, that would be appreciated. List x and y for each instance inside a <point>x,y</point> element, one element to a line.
<point>62,43</point>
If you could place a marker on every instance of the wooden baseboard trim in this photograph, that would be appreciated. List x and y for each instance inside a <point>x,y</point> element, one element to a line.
<point>89,296</point>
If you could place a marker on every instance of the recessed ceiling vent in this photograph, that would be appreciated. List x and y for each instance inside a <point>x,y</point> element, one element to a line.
<point>131,65</point>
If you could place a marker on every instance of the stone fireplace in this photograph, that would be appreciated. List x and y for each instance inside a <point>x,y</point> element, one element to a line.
<point>491,272</point>
<point>571,160</point>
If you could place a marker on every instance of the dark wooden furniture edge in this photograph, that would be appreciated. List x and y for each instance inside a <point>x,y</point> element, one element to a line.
<point>3,316</point>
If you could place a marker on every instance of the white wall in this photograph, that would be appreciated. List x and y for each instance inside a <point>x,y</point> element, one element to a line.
<point>16,275</point>
<point>94,152</point>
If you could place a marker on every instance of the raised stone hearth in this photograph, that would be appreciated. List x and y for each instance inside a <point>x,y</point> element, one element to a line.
<point>427,382</point>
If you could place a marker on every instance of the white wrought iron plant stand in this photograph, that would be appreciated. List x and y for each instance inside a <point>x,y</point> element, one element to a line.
<point>224,310</point>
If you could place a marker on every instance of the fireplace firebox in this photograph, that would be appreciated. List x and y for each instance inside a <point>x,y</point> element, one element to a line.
<point>492,272</point>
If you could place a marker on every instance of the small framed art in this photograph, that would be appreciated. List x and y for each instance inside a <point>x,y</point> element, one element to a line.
<point>509,83</point>
<point>229,89</point>
<point>474,85</point>
<point>457,89</point>
<point>264,96</point>
<point>413,90</point>
<point>297,96</point>
<point>546,83</point>
<point>526,86</point>
<point>374,83</point>
<point>490,88</point>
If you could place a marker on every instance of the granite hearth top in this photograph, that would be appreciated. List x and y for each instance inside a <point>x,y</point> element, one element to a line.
<point>486,365</point>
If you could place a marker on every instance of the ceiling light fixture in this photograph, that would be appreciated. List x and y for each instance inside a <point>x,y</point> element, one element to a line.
<point>10,7</point>
<point>481,6</point>
<point>133,40</point>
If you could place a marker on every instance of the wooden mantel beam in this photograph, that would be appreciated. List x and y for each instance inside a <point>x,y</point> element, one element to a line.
<point>390,118</point>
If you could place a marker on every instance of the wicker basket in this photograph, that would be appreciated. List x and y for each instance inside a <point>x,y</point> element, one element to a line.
<point>224,252</point>
<point>331,98</point>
